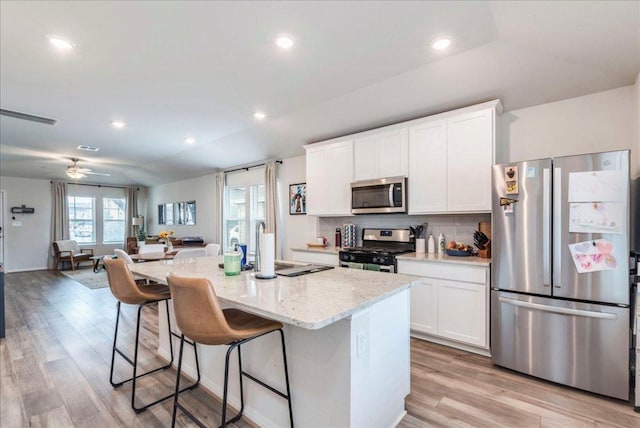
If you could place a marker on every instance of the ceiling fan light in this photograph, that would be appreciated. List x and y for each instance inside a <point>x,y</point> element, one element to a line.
<point>75,174</point>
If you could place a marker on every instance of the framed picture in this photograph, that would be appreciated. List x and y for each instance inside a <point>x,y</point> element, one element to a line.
<point>191,213</point>
<point>168,214</point>
<point>180,206</point>
<point>298,198</point>
<point>161,214</point>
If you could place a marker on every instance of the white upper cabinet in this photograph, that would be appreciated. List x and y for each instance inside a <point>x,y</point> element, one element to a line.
<point>428,168</point>
<point>329,177</point>
<point>381,155</point>
<point>450,162</point>
<point>470,152</point>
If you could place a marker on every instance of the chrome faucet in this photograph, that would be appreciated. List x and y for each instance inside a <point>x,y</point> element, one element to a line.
<point>257,263</point>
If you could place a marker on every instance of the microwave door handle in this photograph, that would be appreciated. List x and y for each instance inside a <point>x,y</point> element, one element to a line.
<point>391,204</point>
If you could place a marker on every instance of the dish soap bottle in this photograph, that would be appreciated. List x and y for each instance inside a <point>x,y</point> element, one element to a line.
<point>441,243</point>
<point>431,245</point>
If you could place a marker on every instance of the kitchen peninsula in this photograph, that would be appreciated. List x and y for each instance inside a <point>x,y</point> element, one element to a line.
<point>347,337</point>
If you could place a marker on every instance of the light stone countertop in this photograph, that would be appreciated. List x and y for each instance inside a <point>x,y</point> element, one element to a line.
<point>326,250</point>
<point>309,301</point>
<point>443,258</point>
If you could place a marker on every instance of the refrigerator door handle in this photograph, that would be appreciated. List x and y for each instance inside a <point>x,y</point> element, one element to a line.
<point>546,227</point>
<point>557,225</point>
<point>558,310</point>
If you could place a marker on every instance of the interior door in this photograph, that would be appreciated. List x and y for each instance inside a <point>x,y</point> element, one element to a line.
<point>521,231</point>
<point>591,217</point>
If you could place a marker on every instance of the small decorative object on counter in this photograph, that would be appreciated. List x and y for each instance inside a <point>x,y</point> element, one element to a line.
<point>420,245</point>
<point>431,245</point>
<point>232,262</point>
<point>338,237</point>
<point>441,243</point>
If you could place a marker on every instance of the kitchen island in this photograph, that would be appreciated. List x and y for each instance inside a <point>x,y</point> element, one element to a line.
<point>347,337</point>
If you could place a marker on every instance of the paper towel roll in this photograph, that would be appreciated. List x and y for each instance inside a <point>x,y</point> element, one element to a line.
<point>267,254</point>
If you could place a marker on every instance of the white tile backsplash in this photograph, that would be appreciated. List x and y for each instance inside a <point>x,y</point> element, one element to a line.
<point>454,227</point>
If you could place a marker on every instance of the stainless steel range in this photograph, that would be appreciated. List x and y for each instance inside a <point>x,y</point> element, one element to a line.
<point>379,250</point>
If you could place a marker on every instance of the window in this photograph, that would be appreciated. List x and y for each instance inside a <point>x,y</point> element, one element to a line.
<point>113,215</point>
<point>82,226</point>
<point>244,209</point>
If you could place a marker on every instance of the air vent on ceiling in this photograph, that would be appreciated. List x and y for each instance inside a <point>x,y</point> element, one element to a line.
<point>87,148</point>
<point>29,117</point>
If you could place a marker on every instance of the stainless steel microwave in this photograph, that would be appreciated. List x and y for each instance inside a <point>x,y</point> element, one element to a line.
<point>381,196</point>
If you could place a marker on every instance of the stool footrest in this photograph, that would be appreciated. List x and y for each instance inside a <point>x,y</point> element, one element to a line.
<point>269,387</point>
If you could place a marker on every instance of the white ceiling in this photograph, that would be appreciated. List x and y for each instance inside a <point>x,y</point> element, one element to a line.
<point>201,69</point>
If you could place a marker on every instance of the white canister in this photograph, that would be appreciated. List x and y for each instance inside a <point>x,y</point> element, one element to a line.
<point>431,245</point>
<point>420,245</point>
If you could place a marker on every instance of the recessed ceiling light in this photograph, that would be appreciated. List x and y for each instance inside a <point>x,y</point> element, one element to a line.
<point>61,43</point>
<point>189,140</point>
<point>441,43</point>
<point>259,115</point>
<point>118,124</point>
<point>284,42</point>
<point>88,148</point>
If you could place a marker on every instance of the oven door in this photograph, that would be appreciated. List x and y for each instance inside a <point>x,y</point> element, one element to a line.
<point>369,266</point>
<point>387,195</point>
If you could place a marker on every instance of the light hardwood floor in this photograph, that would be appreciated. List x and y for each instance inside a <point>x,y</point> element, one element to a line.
<point>54,371</point>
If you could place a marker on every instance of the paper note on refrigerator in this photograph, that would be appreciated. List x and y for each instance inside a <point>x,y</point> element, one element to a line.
<point>593,256</point>
<point>596,217</point>
<point>597,186</point>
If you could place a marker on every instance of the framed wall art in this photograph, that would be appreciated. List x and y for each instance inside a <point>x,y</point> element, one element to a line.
<point>298,198</point>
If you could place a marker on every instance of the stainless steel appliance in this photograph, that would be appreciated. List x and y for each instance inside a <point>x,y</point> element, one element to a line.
<point>378,251</point>
<point>635,280</point>
<point>382,196</point>
<point>560,302</point>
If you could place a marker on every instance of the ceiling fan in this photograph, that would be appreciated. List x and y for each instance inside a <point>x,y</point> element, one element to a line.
<point>75,171</point>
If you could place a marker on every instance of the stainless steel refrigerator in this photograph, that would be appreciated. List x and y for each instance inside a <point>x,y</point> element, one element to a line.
<point>560,304</point>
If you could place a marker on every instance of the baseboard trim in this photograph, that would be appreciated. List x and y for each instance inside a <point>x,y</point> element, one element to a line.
<point>450,343</point>
<point>25,269</point>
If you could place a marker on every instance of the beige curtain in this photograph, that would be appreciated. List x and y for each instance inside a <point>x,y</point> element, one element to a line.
<point>220,182</point>
<point>59,215</point>
<point>131,210</point>
<point>271,200</point>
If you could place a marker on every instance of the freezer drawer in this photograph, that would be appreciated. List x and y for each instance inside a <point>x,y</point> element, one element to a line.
<point>577,344</point>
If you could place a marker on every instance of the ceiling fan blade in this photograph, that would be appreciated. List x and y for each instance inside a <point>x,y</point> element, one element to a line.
<point>96,173</point>
<point>27,116</point>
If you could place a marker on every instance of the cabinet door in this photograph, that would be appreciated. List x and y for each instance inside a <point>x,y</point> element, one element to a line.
<point>427,168</point>
<point>391,153</point>
<point>462,311</point>
<point>365,167</point>
<point>424,307</point>
<point>339,174</point>
<point>470,155</point>
<point>317,197</point>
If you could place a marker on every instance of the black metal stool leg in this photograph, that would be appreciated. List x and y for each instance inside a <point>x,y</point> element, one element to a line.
<point>113,350</point>
<point>286,376</point>
<point>177,392</point>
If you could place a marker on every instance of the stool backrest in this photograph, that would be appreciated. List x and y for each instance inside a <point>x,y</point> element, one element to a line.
<point>198,312</point>
<point>190,252</point>
<point>212,249</point>
<point>121,282</point>
<point>122,255</point>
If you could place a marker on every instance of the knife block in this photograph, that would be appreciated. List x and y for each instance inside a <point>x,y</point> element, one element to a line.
<point>486,252</point>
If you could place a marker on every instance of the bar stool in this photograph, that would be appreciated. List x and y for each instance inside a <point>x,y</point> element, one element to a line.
<point>201,319</point>
<point>125,290</point>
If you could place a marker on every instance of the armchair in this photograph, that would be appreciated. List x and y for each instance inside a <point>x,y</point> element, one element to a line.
<point>69,251</point>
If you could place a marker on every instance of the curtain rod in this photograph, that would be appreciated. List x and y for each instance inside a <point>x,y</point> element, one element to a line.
<point>247,168</point>
<point>98,185</point>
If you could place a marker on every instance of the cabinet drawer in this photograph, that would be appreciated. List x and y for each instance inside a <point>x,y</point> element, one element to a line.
<point>478,275</point>
<point>319,258</point>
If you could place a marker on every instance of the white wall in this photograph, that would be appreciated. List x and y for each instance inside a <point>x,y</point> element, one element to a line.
<point>27,247</point>
<point>598,122</point>
<point>200,189</point>
<point>297,230</point>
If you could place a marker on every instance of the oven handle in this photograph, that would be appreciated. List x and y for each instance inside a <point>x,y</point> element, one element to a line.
<point>352,265</point>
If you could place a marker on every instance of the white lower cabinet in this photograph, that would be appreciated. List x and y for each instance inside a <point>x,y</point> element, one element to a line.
<point>329,259</point>
<point>451,306</point>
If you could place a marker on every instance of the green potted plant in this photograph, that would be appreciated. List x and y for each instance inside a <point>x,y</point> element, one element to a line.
<point>142,234</point>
